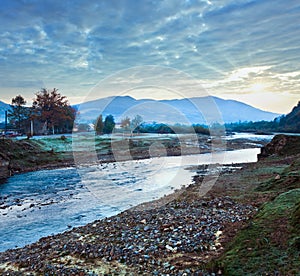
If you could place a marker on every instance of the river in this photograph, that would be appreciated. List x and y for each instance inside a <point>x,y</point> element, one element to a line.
<point>47,202</point>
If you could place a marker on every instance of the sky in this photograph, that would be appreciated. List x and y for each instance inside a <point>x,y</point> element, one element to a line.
<point>246,50</point>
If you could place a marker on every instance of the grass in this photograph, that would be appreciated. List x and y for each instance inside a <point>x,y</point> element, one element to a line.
<point>25,155</point>
<point>270,243</point>
<point>55,144</point>
<point>285,179</point>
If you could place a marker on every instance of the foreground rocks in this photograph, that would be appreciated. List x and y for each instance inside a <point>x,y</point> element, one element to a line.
<point>175,239</point>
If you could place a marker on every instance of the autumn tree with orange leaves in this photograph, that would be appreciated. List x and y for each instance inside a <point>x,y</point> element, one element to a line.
<point>54,111</point>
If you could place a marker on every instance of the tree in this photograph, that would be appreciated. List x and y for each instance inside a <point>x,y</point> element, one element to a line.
<point>54,110</point>
<point>125,123</point>
<point>99,126</point>
<point>83,127</point>
<point>136,122</point>
<point>19,114</point>
<point>109,124</point>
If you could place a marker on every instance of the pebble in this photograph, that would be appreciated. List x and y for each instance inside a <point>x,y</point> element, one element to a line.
<point>149,240</point>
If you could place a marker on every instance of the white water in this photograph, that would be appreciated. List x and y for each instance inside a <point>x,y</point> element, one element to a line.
<point>51,201</point>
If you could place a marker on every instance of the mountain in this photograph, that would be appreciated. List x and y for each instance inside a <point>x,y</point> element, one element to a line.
<point>198,110</point>
<point>3,108</point>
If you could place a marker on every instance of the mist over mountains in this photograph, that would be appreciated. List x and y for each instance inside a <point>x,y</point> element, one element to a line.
<point>198,110</point>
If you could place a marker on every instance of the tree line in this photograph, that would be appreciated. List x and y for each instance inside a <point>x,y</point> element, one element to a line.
<point>284,123</point>
<point>107,125</point>
<point>137,125</point>
<point>50,113</point>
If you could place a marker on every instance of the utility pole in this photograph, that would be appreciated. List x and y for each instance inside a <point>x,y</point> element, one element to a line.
<point>31,128</point>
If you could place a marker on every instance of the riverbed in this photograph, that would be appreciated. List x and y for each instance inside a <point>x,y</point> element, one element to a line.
<point>43,203</point>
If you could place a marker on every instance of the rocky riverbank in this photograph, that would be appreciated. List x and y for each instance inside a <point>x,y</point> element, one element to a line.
<point>175,239</point>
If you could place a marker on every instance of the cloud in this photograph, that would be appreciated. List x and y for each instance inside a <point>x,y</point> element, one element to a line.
<point>71,44</point>
<point>245,73</point>
<point>21,84</point>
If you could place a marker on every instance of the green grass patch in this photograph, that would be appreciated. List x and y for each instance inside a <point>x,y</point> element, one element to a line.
<point>54,144</point>
<point>25,155</point>
<point>271,241</point>
<point>284,179</point>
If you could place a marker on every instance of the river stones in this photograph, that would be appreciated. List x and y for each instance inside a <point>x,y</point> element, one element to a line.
<point>174,239</point>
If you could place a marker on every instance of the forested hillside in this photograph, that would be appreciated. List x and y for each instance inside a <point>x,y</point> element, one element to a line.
<point>291,122</point>
<point>285,123</point>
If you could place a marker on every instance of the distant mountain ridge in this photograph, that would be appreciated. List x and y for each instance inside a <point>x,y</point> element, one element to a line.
<point>197,110</point>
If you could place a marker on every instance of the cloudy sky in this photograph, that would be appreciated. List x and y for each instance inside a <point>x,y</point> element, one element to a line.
<point>246,50</point>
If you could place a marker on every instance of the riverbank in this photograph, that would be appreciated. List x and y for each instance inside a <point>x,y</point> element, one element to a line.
<point>49,202</point>
<point>26,155</point>
<point>19,156</point>
<point>247,224</point>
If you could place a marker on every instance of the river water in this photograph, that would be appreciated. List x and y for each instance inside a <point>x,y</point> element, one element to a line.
<point>43,203</point>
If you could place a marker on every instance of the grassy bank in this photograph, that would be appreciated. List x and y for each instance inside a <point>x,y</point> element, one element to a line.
<point>28,155</point>
<point>270,243</point>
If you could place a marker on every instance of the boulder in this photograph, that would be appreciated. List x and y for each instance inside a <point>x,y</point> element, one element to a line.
<point>281,145</point>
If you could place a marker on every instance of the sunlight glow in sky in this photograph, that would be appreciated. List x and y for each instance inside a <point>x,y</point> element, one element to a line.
<point>247,50</point>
